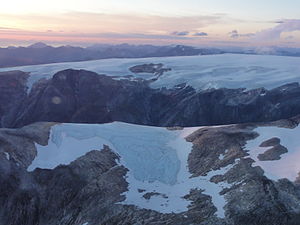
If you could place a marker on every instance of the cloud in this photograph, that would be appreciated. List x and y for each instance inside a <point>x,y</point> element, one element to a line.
<point>97,27</point>
<point>275,32</point>
<point>247,35</point>
<point>180,33</point>
<point>62,34</point>
<point>200,34</point>
<point>9,30</point>
<point>290,37</point>
<point>100,27</point>
<point>186,33</point>
<point>236,34</point>
<point>136,35</point>
<point>13,37</point>
<point>6,28</point>
<point>100,22</point>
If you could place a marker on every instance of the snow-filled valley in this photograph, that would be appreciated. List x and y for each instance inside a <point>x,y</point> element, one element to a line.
<point>201,72</point>
<point>156,159</point>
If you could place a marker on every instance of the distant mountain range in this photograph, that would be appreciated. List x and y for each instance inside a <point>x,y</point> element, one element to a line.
<point>41,53</point>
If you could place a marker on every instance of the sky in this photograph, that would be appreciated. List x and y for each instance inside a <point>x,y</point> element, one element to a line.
<point>193,22</point>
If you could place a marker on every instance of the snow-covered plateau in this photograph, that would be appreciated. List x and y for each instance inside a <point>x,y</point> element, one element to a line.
<point>201,72</point>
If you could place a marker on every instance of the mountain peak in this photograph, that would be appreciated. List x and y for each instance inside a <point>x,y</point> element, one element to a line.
<point>38,45</point>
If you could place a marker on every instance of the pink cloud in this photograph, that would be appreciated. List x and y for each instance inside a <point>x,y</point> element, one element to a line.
<point>275,32</point>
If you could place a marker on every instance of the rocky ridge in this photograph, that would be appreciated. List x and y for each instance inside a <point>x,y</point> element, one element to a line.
<point>81,96</point>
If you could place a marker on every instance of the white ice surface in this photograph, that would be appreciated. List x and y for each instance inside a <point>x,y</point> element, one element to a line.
<point>201,72</point>
<point>222,156</point>
<point>7,155</point>
<point>156,159</point>
<point>142,148</point>
<point>288,166</point>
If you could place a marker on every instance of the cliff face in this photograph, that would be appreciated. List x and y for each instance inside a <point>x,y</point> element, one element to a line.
<point>12,91</point>
<point>227,185</point>
<point>85,97</point>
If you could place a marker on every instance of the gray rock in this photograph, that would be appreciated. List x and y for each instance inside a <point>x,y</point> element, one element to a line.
<point>271,142</point>
<point>273,153</point>
<point>251,197</point>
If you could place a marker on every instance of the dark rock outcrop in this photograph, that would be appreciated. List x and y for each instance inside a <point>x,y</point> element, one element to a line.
<point>271,142</point>
<point>156,69</point>
<point>12,91</point>
<point>273,153</point>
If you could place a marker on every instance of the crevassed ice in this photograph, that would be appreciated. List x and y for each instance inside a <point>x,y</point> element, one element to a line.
<point>142,148</point>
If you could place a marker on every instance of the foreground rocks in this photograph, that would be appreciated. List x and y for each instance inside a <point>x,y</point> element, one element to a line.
<point>85,97</point>
<point>90,188</point>
<point>252,197</point>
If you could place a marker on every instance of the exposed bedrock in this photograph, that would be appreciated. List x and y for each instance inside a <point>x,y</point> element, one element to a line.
<point>251,197</point>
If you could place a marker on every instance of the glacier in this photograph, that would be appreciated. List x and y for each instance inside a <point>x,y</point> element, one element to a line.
<point>157,160</point>
<point>201,72</point>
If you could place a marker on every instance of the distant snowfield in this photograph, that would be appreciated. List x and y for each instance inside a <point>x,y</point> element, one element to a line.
<point>288,166</point>
<point>156,159</point>
<point>201,72</point>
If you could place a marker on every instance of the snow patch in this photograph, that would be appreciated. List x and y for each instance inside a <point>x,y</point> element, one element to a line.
<point>222,156</point>
<point>288,166</point>
<point>188,130</point>
<point>7,155</point>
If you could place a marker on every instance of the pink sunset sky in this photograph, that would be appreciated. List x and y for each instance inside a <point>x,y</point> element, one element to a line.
<point>192,22</point>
